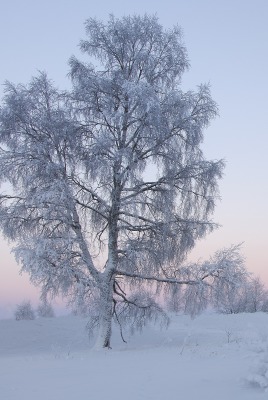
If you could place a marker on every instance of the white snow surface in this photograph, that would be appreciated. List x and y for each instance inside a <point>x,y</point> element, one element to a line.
<point>209,357</point>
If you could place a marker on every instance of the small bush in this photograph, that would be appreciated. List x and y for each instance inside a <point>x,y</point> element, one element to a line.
<point>24,311</point>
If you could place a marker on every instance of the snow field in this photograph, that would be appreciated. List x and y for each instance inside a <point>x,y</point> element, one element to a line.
<point>211,357</point>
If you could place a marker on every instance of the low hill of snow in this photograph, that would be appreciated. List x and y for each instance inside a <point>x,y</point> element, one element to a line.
<point>210,357</point>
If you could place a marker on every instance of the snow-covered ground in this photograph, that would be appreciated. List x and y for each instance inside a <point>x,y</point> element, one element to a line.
<point>209,357</point>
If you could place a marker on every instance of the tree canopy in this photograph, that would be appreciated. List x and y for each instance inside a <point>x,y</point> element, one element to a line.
<point>110,187</point>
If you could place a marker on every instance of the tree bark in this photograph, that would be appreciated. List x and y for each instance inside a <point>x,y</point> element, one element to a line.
<point>106,313</point>
<point>107,284</point>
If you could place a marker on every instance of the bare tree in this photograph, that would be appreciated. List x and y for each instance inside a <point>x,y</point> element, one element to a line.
<point>110,186</point>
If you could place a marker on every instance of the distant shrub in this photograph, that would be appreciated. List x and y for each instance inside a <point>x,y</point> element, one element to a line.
<point>45,310</point>
<point>24,311</point>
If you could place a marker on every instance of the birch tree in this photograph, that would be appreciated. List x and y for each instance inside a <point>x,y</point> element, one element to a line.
<point>110,188</point>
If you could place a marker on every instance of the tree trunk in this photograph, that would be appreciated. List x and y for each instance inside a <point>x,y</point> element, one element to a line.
<point>106,314</point>
<point>107,285</point>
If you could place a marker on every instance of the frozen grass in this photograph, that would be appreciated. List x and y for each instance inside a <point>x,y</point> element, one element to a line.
<point>210,357</point>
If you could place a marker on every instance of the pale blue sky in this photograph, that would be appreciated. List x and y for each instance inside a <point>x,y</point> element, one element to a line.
<point>227,46</point>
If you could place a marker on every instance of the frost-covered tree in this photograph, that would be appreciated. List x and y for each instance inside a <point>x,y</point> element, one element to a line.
<point>223,280</point>
<point>244,293</point>
<point>110,188</point>
<point>256,296</point>
<point>45,310</point>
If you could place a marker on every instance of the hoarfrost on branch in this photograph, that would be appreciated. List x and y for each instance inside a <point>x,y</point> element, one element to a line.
<point>110,188</point>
